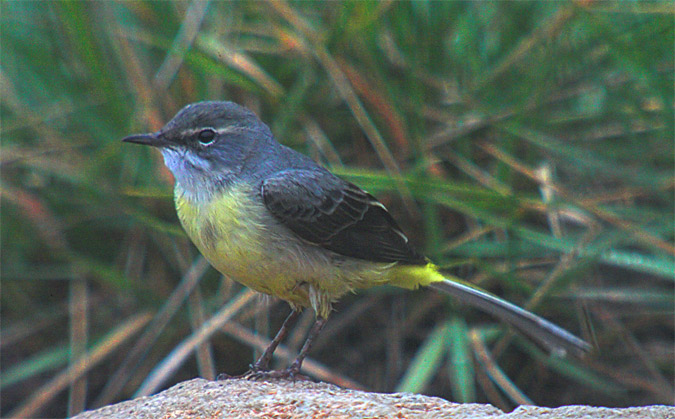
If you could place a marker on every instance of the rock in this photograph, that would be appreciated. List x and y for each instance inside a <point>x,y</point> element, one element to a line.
<point>240,398</point>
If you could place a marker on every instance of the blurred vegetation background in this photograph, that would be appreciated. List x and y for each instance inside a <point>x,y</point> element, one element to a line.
<point>525,146</point>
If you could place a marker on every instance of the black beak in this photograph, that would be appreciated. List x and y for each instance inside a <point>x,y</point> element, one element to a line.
<point>152,139</point>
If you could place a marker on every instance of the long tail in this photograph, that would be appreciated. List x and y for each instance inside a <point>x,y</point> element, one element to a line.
<point>553,337</point>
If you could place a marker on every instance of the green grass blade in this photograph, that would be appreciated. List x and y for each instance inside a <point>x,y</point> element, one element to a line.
<point>427,361</point>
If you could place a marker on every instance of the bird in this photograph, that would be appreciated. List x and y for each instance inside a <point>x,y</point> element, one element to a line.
<point>279,223</point>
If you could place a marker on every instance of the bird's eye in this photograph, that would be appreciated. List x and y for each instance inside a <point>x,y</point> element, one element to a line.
<point>206,136</point>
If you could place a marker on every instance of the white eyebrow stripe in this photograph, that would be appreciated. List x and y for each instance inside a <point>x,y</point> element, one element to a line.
<point>189,132</point>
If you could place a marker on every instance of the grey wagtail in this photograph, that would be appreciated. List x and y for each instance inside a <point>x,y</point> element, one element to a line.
<point>277,222</point>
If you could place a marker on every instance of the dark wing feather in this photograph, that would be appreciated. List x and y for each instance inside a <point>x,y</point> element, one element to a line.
<point>327,211</point>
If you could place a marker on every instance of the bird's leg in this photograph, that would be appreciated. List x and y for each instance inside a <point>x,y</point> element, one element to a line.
<point>294,369</point>
<point>260,368</point>
<point>262,364</point>
<point>292,372</point>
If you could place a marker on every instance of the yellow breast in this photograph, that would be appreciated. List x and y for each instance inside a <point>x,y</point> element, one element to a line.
<point>232,233</point>
<point>224,229</point>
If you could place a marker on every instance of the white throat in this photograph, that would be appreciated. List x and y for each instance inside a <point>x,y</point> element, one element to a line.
<point>194,175</point>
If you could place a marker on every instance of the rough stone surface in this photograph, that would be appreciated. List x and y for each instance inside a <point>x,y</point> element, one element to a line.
<point>240,398</point>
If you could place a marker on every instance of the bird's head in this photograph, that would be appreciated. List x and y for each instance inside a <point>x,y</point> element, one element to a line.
<point>206,143</point>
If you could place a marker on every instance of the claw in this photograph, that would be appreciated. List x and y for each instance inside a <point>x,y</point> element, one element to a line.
<point>253,370</point>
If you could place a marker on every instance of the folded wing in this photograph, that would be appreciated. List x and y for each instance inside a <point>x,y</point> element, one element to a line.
<point>337,215</point>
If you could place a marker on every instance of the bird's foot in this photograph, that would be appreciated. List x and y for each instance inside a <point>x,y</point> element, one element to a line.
<point>223,376</point>
<point>253,369</point>
<point>285,374</point>
<point>257,373</point>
